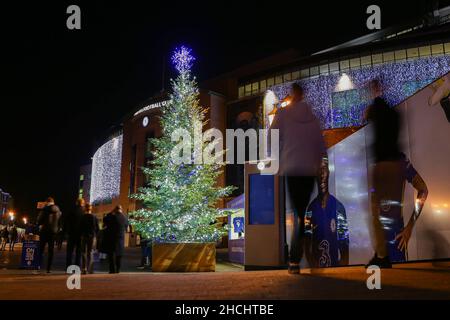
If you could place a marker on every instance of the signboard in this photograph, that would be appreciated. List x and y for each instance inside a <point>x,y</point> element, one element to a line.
<point>30,255</point>
<point>152,106</point>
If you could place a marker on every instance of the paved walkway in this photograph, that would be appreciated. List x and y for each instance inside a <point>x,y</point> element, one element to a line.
<point>411,281</point>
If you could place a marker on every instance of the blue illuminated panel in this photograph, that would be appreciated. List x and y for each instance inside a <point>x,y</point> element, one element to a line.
<point>261,199</point>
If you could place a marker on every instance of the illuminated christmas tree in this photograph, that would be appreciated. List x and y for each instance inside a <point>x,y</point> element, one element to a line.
<point>180,199</point>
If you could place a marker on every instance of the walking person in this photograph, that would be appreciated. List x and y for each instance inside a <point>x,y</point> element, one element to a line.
<point>115,224</point>
<point>72,223</point>
<point>49,224</point>
<point>88,230</point>
<point>13,234</point>
<point>387,173</point>
<point>302,150</point>
<point>4,237</point>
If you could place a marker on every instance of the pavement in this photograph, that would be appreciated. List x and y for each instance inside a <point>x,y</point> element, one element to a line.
<point>405,281</point>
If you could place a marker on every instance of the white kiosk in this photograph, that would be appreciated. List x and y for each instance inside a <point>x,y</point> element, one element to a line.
<point>265,227</point>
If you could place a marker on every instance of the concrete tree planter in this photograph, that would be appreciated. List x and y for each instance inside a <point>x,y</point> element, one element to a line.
<point>184,257</point>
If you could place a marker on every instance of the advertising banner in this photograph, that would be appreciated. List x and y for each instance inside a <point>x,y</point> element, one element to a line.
<point>30,255</point>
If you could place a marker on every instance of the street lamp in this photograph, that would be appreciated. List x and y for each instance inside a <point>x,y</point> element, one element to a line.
<point>25,220</point>
<point>11,216</point>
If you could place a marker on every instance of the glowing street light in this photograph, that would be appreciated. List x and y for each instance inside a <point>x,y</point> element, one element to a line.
<point>25,220</point>
<point>11,215</point>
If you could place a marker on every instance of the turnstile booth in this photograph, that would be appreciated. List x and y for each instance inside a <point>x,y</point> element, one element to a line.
<point>265,227</point>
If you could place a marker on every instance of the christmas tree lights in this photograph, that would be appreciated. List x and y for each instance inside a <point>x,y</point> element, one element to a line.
<point>179,204</point>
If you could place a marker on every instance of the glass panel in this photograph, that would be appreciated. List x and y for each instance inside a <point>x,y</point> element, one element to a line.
<point>334,66</point>
<point>437,48</point>
<point>287,77</point>
<point>262,85</point>
<point>355,63</point>
<point>323,69</point>
<point>366,60</point>
<point>377,58</point>
<point>295,75</point>
<point>278,79</point>
<point>447,47</point>
<point>424,51</point>
<point>261,202</point>
<point>412,53</point>
<point>255,87</point>
<point>344,64</point>
<point>388,56</point>
<point>248,89</point>
<point>400,55</point>
<point>304,73</point>
<point>241,91</point>
<point>314,71</point>
<point>270,82</point>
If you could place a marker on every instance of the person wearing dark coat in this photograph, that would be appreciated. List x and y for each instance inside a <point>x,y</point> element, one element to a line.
<point>72,230</point>
<point>49,224</point>
<point>4,237</point>
<point>114,237</point>
<point>12,238</point>
<point>88,230</point>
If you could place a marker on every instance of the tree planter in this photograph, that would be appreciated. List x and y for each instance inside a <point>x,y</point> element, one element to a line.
<point>184,257</point>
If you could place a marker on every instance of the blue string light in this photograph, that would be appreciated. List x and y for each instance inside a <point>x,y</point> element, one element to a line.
<point>345,109</point>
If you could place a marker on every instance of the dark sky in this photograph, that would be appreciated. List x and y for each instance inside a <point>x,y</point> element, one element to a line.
<point>63,88</point>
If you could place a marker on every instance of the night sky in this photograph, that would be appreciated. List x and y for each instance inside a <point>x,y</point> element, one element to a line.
<point>63,89</point>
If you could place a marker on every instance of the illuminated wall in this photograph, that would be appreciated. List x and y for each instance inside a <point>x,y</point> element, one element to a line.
<point>106,164</point>
<point>400,80</point>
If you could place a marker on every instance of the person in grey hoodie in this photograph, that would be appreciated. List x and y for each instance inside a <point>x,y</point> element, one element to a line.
<point>302,151</point>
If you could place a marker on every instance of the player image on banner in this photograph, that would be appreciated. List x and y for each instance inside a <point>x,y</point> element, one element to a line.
<point>326,228</point>
<point>238,225</point>
<point>441,95</point>
<point>391,215</point>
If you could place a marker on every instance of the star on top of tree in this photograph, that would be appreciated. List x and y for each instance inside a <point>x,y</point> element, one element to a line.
<point>183,59</point>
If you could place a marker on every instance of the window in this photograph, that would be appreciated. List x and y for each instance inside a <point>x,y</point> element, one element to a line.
<point>270,82</point>
<point>82,177</point>
<point>262,86</point>
<point>437,49</point>
<point>287,77</point>
<point>355,63</point>
<point>241,91</point>
<point>295,75</point>
<point>278,79</point>
<point>412,53</point>
<point>366,60</point>
<point>424,51</point>
<point>400,55</point>
<point>255,87</point>
<point>377,58</point>
<point>304,73</point>
<point>323,69</point>
<point>344,64</point>
<point>334,67</point>
<point>314,71</point>
<point>248,89</point>
<point>388,56</point>
<point>447,47</point>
